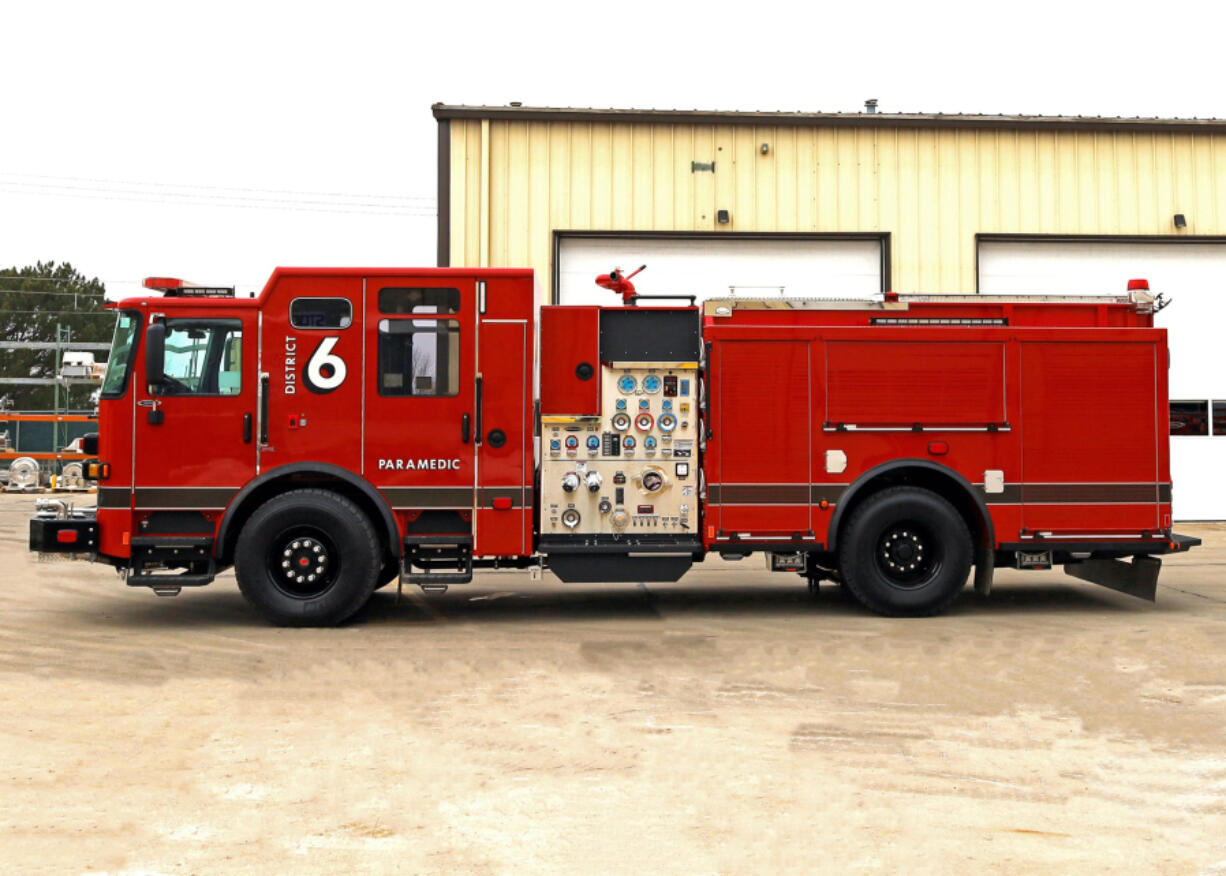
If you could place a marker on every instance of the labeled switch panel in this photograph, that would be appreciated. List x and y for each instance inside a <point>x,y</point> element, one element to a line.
<point>616,473</point>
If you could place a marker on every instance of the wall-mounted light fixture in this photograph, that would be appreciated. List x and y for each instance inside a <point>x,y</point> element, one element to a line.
<point>1180,221</point>
<point>765,148</point>
<point>723,217</point>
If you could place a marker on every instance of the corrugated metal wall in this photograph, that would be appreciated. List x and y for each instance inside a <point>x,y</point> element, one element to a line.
<point>933,189</point>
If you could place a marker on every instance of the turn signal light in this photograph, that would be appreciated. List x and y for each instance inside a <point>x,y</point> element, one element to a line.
<point>98,471</point>
<point>66,536</point>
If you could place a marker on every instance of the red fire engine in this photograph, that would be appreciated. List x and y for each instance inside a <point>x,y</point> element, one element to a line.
<point>349,428</point>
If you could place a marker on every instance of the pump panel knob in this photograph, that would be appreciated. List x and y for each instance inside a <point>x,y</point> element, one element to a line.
<point>593,481</point>
<point>570,482</point>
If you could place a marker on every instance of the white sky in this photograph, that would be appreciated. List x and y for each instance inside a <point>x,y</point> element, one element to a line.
<point>335,98</point>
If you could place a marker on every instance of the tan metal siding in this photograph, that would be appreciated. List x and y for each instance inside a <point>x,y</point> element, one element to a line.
<point>933,189</point>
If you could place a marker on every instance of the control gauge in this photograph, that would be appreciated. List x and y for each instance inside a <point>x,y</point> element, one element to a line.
<point>626,384</point>
<point>643,422</point>
<point>628,443</point>
<point>651,384</point>
<point>667,422</point>
<point>621,422</point>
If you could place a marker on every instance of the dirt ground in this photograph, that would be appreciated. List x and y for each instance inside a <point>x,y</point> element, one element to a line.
<point>730,723</point>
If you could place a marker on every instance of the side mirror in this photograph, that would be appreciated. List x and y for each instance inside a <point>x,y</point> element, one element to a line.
<point>155,353</point>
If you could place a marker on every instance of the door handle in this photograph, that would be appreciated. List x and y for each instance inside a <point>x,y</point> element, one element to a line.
<point>263,393</point>
<point>247,428</point>
<point>465,428</point>
<point>478,436</point>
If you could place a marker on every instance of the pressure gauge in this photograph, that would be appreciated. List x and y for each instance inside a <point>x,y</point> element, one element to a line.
<point>649,443</point>
<point>667,422</point>
<point>626,384</point>
<point>651,384</point>
<point>621,422</point>
<point>593,443</point>
<point>628,443</point>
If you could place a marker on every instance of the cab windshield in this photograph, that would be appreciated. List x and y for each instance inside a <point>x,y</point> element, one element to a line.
<point>120,360</point>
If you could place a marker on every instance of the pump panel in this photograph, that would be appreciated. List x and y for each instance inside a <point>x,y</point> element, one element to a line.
<point>633,469</point>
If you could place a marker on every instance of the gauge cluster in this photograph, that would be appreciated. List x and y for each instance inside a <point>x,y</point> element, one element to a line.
<point>632,469</point>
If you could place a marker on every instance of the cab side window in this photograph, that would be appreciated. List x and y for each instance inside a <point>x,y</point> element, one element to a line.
<point>419,357</point>
<point>203,357</point>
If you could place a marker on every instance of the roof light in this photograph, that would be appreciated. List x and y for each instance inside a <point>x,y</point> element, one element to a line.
<point>1138,285</point>
<point>163,283</point>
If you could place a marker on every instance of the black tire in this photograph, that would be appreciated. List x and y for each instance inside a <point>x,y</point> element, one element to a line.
<point>906,552</point>
<point>307,558</point>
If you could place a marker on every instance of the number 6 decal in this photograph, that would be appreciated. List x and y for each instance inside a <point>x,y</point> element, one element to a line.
<point>324,371</point>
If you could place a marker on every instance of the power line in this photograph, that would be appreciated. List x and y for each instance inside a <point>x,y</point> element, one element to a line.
<point>120,196</point>
<point>220,188</point>
<point>244,200</point>
<point>62,312</point>
<point>4,276</point>
<point>49,292</point>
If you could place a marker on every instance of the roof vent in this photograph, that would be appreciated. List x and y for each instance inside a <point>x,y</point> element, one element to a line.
<point>870,105</point>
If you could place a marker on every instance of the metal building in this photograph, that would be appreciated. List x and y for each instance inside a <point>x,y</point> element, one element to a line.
<point>846,205</point>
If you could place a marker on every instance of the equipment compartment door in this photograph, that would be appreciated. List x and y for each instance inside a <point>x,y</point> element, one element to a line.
<point>503,450</point>
<point>1090,435</point>
<point>195,440</point>
<point>418,447</point>
<point>762,434</point>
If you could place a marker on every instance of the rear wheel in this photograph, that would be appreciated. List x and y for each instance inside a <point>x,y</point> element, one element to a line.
<point>307,558</point>
<point>906,552</point>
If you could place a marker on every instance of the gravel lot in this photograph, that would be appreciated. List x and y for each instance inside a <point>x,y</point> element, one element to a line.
<point>729,723</point>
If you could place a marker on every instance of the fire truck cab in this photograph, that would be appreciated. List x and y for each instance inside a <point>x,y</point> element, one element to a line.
<point>349,428</point>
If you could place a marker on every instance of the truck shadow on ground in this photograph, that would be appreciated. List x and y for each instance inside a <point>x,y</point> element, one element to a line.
<point>221,605</point>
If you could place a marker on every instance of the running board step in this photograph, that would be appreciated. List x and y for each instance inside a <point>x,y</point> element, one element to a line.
<point>431,555</point>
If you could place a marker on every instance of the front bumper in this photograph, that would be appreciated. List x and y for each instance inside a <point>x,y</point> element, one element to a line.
<point>74,533</point>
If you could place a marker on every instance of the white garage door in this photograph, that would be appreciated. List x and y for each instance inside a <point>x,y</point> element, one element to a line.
<point>717,268</point>
<point>1193,275</point>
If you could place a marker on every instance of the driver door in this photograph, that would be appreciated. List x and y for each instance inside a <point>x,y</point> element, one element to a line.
<point>194,433</point>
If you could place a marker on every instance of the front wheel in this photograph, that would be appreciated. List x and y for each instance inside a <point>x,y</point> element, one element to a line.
<point>307,558</point>
<point>906,552</point>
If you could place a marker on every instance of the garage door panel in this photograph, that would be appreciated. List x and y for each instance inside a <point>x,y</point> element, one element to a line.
<point>719,267</point>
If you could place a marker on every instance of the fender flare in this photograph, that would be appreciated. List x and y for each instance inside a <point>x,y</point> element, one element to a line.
<point>893,465</point>
<point>322,468</point>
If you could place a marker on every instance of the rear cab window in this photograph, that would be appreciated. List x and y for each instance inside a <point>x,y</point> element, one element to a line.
<point>419,357</point>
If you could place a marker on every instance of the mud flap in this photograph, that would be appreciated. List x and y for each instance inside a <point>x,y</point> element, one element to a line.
<point>1138,578</point>
<point>985,568</point>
